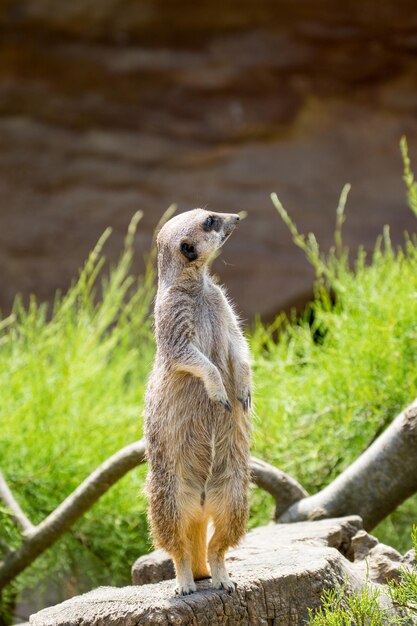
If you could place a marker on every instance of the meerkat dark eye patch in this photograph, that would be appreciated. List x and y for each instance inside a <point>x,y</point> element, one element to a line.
<point>189,251</point>
<point>211,223</point>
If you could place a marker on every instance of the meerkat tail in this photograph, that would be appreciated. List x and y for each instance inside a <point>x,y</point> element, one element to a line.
<point>198,537</point>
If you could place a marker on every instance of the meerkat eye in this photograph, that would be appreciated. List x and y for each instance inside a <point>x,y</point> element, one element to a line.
<point>209,223</point>
<point>189,251</point>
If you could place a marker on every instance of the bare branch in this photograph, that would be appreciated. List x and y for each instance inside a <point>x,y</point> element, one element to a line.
<point>284,489</point>
<point>375,484</point>
<point>52,528</point>
<point>16,514</point>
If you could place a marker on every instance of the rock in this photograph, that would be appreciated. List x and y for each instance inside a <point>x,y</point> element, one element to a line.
<point>152,568</point>
<point>385,564</point>
<point>409,558</point>
<point>109,107</point>
<point>362,544</point>
<point>280,571</point>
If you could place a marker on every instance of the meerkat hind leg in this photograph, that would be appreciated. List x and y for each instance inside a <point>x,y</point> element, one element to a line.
<point>228,504</point>
<point>218,545</point>
<point>184,575</point>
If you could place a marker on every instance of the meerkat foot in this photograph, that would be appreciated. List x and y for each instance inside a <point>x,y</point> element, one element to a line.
<point>227,406</point>
<point>220,578</point>
<point>223,583</point>
<point>185,588</point>
<point>184,576</point>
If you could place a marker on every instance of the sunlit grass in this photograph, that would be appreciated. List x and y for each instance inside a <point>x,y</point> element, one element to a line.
<point>71,388</point>
<point>339,376</point>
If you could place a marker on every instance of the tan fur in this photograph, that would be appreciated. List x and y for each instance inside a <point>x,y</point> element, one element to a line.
<point>198,539</point>
<point>197,405</point>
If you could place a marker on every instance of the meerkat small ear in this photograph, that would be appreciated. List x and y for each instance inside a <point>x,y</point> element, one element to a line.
<point>189,250</point>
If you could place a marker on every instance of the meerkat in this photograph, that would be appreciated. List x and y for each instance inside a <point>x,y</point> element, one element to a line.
<point>197,405</point>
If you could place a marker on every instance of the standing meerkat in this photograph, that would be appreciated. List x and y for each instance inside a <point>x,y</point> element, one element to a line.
<point>198,401</point>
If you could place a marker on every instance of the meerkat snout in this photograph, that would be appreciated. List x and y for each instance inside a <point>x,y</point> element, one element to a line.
<point>229,226</point>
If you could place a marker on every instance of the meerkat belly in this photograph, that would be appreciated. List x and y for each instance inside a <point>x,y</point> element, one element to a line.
<point>177,405</point>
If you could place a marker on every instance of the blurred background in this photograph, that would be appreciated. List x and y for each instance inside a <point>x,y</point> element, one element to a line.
<point>111,106</point>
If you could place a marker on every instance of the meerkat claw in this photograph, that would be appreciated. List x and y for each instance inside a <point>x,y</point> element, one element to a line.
<point>185,590</point>
<point>226,585</point>
<point>246,402</point>
<point>230,587</point>
<point>227,406</point>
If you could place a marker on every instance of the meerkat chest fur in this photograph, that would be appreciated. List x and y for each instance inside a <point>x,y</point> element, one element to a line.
<point>210,328</point>
<point>199,315</point>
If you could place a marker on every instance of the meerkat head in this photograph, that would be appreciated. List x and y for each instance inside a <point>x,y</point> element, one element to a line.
<point>192,238</point>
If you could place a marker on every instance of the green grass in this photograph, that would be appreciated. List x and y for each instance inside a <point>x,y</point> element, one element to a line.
<point>71,389</point>
<point>358,609</point>
<point>339,375</point>
<point>72,383</point>
<point>404,593</point>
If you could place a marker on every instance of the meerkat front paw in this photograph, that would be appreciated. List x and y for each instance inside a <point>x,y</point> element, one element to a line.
<point>216,390</point>
<point>185,589</point>
<point>243,384</point>
<point>221,396</point>
<point>245,398</point>
<point>225,402</point>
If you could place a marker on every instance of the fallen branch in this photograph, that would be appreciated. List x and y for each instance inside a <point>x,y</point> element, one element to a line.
<point>41,537</point>
<point>375,484</point>
<point>284,489</point>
